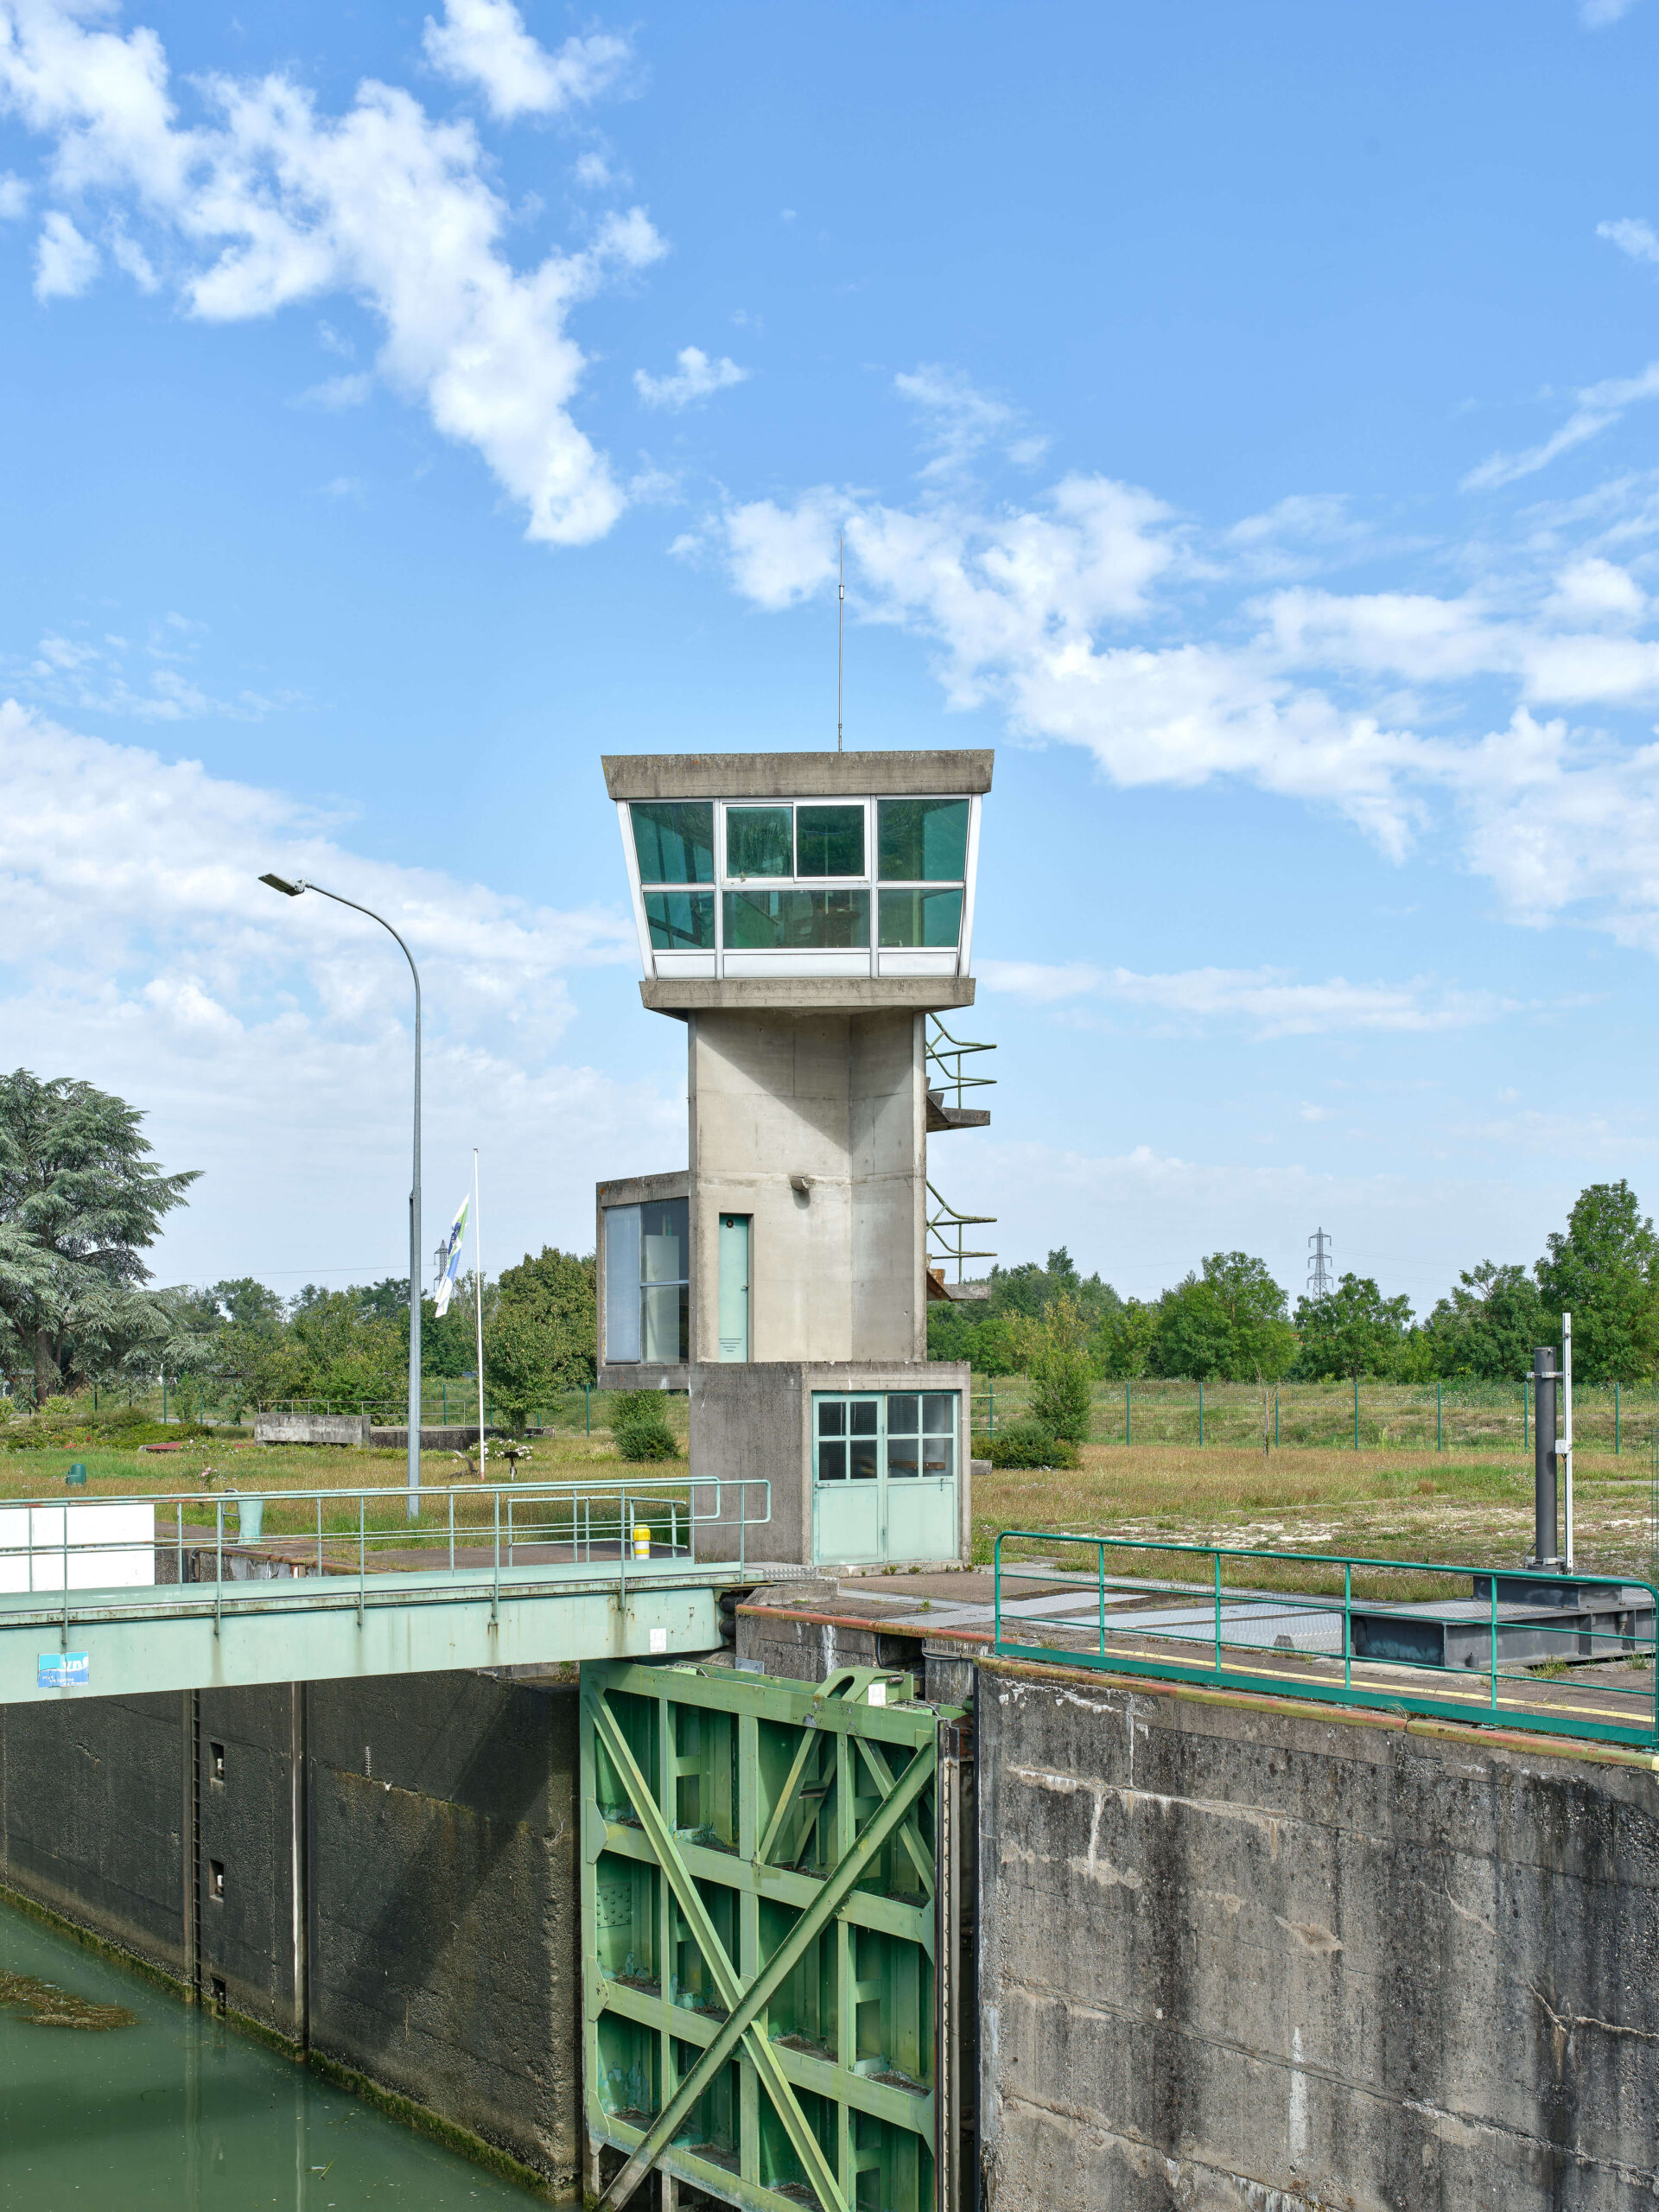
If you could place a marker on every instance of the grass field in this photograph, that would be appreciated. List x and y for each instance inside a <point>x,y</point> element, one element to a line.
<point>1388,1501</point>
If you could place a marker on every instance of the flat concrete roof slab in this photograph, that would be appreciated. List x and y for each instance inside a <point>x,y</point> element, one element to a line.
<point>805,993</point>
<point>796,775</point>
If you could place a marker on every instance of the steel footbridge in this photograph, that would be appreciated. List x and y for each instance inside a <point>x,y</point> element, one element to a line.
<point>123,1595</point>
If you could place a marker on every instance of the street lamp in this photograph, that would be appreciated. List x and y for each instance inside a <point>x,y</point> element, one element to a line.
<point>292,890</point>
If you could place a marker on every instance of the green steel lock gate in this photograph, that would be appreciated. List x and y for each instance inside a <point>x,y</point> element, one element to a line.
<point>771,1915</point>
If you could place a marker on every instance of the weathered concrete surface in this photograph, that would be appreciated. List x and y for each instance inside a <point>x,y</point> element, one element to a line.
<point>312,1428</point>
<point>445,1929</point>
<point>836,1101</point>
<point>682,995</point>
<point>795,775</point>
<point>94,1818</point>
<point>1238,1956</point>
<point>399,1889</point>
<point>753,1420</point>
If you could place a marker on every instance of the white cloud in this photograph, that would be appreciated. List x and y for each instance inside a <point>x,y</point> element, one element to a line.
<point>269,1038</point>
<point>1632,236</point>
<point>961,419</point>
<point>484,42</point>
<point>14,197</point>
<point>780,556</point>
<point>272,202</point>
<point>339,391</point>
<point>696,379</point>
<point>95,677</point>
<point>65,263</point>
<point>594,172</point>
<point>1269,1000</point>
<point>1596,15</point>
<point>1601,406</point>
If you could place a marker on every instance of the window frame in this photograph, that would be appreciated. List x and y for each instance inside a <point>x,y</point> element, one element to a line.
<point>921,1436</point>
<point>872,959</point>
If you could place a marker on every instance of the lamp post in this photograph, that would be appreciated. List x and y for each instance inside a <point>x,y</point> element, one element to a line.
<point>292,889</point>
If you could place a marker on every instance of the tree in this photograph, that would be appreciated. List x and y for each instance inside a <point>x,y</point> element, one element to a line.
<point>1260,1341</point>
<point>1030,1290</point>
<point>80,1200</point>
<point>1353,1332</point>
<point>1229,1321</point>
<point>1602,1271</point>
<point>1488,1325</point>
<point>1192,1338</point>
<point>1124,1341</point>
<point>1056,1350</point>
<point>541,1337</point>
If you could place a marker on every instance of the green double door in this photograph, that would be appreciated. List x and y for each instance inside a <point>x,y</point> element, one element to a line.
<point>884,1475</point>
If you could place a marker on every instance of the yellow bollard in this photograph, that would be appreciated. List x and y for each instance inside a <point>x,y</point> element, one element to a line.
<point>641,1541</point>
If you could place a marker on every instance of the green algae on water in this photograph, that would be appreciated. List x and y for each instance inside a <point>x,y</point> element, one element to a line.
<point>43,2005</point>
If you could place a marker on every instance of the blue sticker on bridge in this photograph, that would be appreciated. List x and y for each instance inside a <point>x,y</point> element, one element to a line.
<point>64,1670</point>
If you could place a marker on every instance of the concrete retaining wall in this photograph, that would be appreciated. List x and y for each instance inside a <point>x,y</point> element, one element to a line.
<point>1240,1955</point>
<point>312,1428</point>
<point>399,1876</point>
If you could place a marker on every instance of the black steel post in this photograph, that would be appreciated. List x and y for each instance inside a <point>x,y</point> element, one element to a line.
<point>1544,1551</point>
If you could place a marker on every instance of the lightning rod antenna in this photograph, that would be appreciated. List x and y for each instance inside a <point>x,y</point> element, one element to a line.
<point>841,625</point>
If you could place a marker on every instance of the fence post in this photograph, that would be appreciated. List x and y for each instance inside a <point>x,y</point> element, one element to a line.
<point>1526,1420</point>
<point>991,1384</point>
<point>1200,1410</point>
<point>1439,1387</point>
<point>1356,1413</point>
<point>1128,1413</point>
<point>1275,1416</point>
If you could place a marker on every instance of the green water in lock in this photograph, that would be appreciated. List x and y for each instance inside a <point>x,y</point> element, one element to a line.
<point>179,2111</point>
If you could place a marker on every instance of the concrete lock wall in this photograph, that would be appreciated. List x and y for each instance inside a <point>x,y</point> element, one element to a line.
<point>1236,1953</point>
<point>386,1876</point>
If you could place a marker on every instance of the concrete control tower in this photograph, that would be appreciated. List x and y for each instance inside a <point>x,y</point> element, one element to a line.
<point>802,913</point>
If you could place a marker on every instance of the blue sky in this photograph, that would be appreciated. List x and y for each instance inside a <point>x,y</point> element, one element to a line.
<point>1242,419</point>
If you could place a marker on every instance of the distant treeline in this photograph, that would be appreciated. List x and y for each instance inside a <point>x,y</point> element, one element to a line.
<point>1230,1320</point>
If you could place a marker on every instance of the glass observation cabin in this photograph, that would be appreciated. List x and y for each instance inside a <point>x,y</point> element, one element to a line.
<point>752,887</point>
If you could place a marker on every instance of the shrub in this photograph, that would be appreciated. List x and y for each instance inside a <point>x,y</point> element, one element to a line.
<point>641,1427</point>
<point>1026,1444</point>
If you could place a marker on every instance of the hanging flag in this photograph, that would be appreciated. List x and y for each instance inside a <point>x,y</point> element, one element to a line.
<point>449,1259</point>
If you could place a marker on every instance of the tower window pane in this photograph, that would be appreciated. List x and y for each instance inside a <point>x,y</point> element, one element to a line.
<point>789,921</point>
<point>922,840</point>
<point>828,841</point>
<point>681,921</point>
<point>674,840</point>
<point>923,917</point>
<point>758,841</point>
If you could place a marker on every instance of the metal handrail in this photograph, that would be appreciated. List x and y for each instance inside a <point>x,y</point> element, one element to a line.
<point>948,1220</point>
<point>361,1522</point>
<point>941,1048</point>
<point>1387,1684</point>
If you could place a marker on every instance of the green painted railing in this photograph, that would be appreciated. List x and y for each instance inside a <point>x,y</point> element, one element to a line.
<point>1323,1644</point>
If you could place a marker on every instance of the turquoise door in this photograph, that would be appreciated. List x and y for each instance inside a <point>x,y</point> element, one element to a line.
<point>734,1286</point>
<point>884,1475</point>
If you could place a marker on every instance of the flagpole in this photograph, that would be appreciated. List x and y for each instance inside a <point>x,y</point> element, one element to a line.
<point>477,1310</point>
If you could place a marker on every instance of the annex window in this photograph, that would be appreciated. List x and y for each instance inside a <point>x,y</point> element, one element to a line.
<point>648,1283</point>
<point>908,1435</point>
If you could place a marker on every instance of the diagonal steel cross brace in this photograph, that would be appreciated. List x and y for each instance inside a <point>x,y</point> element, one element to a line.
<point>920,1858</point>
<point>767,2062</point>
<point>823,1910</point>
